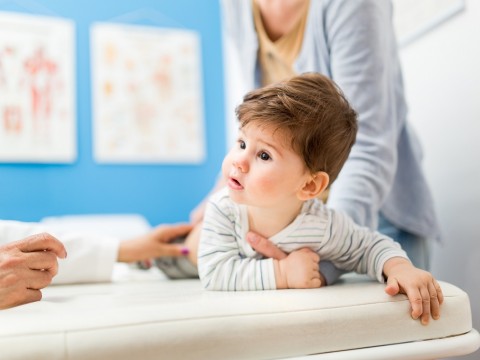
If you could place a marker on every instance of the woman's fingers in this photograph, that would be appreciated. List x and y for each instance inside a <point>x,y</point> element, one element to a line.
<point>265,246</point>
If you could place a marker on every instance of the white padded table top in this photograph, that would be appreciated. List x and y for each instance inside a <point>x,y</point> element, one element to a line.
<point>151,319</point>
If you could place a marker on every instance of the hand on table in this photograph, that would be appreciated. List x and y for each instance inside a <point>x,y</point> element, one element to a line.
<point>423,291</point>
<point>26,266</point>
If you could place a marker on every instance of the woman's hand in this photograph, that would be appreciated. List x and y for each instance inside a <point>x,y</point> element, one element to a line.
<point>155,244</point>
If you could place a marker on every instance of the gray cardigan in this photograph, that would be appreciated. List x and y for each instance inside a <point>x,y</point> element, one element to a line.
<point>352,42</point>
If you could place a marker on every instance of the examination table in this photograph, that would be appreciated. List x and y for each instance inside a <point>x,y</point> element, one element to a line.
<point>143,315</point>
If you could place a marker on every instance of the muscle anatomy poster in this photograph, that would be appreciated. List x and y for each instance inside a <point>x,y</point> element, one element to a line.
<point>37,100</point>
<point>147,95</point>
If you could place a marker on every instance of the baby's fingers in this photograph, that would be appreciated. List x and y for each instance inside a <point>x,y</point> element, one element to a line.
<point>416,302</point>
<point>392,288</point>
<point>425,306</point>
<point>315,258</point>
<point>439,291</point>
<point>316,281</point>
<point>434,300</point>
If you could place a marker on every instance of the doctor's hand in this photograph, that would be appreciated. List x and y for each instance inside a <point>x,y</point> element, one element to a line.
<point>26,266</point>
<point>298,269</point>
<point>155,244</point>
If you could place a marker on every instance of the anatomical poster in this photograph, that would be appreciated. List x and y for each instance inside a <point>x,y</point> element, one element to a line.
<point>147,95</point>
<point>37,89</point>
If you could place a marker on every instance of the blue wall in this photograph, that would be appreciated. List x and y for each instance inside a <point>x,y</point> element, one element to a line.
<point>162,193</point>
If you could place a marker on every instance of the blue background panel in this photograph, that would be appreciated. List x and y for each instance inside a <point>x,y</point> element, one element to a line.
<point>160,192</point>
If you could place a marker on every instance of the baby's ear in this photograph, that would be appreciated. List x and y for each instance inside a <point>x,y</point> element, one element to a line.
<point>314,186</point>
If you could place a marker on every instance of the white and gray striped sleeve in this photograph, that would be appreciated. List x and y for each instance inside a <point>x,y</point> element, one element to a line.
<point>222,265</point>
<point>360,249</point>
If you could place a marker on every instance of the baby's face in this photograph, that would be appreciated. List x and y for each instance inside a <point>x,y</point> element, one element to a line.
<point>262,169</point>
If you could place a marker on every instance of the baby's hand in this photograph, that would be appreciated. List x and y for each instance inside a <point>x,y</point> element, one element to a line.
<point>423,291</point>
<point>299,270</point>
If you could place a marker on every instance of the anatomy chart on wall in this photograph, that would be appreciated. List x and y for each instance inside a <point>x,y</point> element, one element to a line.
<point>147,95</point>
<point>37,111</point>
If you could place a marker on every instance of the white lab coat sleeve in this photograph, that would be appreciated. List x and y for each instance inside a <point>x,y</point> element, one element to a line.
<point>90,258</point>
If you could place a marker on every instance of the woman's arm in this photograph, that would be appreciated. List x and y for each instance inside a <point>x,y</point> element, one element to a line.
<point>365,65</point>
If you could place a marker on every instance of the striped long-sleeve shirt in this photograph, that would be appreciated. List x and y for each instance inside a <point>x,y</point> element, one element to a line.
<point>227,262</point>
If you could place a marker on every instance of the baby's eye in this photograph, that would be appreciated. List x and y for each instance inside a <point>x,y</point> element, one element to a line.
<point>242,144</point>
<point>264,156</point>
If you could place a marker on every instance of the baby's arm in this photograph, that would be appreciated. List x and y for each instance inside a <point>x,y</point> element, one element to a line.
<point>377,255</point>
<point>294,272</point>
<point>356,248</point>
<point>221,268</point>
<point>222,265</point>
<point>423,291</point>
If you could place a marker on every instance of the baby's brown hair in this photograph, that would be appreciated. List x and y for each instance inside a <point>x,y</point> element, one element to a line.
<point>313,111</point>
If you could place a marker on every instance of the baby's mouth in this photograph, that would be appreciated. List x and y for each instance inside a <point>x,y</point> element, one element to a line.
<point>234,184</point>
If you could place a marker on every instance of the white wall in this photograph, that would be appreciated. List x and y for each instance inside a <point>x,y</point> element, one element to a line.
<point>442,78</point>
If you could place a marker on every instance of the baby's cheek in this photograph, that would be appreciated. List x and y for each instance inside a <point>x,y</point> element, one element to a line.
<point>267,184</point>
<point>226,166</point>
